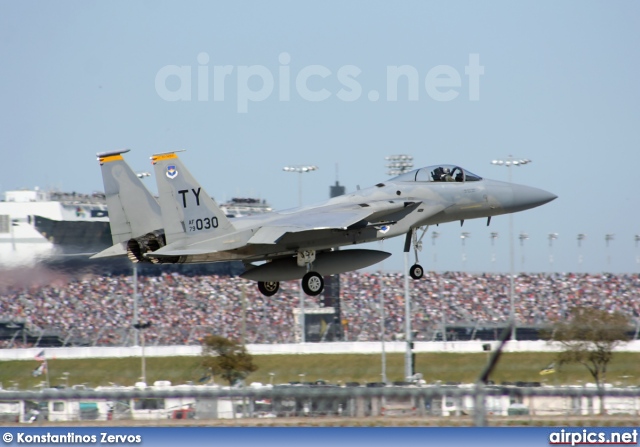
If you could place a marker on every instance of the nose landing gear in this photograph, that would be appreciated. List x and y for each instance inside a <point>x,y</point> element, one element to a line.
<point>416,271</point>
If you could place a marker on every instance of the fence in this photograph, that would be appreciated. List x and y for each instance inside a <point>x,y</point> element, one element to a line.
<point>478,404</point>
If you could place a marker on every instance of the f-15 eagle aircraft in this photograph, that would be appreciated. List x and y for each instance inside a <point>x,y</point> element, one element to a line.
<point>186,225</point>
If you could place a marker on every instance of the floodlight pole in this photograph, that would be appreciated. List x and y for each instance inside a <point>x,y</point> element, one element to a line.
<point>382,328</point>
<point>300,170</point>
<point>135,303</point>
<point>443,307</point>
<point>463,236</point>
<point>581,237</point>
<point>552,237</point>
<point>523,237</point>
<point>407,319</point>
<point>243,327</point>
<point>141,327</point>
<point>397,165</point>
<point>13,223</point>
<point>608,238</point>
<point>493,236</point>
<point>140,175</point>
<point>509,163</point>
<point>144,363</point>
<point>512,303</point>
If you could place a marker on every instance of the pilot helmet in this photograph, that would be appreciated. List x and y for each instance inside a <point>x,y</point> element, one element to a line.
<point>446,170</point>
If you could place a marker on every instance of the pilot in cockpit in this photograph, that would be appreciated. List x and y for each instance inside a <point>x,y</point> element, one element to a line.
<point>446,175</point>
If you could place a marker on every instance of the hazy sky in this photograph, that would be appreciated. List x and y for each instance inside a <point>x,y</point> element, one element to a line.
<point>249,87</point>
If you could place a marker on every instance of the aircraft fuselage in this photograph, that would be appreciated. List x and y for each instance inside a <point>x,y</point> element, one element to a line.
<point>456,201</point>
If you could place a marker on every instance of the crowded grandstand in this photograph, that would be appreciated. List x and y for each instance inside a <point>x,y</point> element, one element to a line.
<point>95,310</point>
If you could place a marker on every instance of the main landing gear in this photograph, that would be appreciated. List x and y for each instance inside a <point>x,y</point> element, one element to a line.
<point>416,271</point>
<point>312,282</point>
<point>268,288</point>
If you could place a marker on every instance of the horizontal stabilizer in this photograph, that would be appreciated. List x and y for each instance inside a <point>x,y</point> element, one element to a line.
<point>326,263</point>
<point>114,250</point>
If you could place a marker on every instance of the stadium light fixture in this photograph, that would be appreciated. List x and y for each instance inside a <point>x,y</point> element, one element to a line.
<point>300,169</point>
<point>608,238</point>
<point>399,164</point>
<point>581,237</point>
<point>510,161</point>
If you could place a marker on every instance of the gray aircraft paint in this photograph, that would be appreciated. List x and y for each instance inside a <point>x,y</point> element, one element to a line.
<point>196,229</point>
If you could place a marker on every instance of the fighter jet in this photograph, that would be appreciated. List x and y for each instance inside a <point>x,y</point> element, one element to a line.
<point>302,243</point>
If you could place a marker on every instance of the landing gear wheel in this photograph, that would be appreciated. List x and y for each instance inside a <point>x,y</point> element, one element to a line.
<point>416,271</point>
<point>312,284</point>
<point>268,288</point>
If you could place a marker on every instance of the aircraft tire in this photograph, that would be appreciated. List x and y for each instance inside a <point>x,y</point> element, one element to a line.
<point>312,284</point>
<point>268,288</point>
<point>416,271</point>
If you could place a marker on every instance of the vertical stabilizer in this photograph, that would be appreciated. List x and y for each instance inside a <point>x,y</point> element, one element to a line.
<point>187,210</point>
<point>133,211</point>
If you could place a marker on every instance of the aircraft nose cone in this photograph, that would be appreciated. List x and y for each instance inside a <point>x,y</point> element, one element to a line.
<point>525,197</point>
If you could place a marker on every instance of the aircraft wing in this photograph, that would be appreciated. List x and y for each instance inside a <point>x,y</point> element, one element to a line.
<point>334,217</point>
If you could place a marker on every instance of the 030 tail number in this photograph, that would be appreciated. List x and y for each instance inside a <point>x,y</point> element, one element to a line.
<point>203,224</point>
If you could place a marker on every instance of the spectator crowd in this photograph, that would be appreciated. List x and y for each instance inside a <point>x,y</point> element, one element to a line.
<point>182,309</point>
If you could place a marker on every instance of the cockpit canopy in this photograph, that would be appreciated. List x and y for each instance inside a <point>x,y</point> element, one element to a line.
<point>438,173</point>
